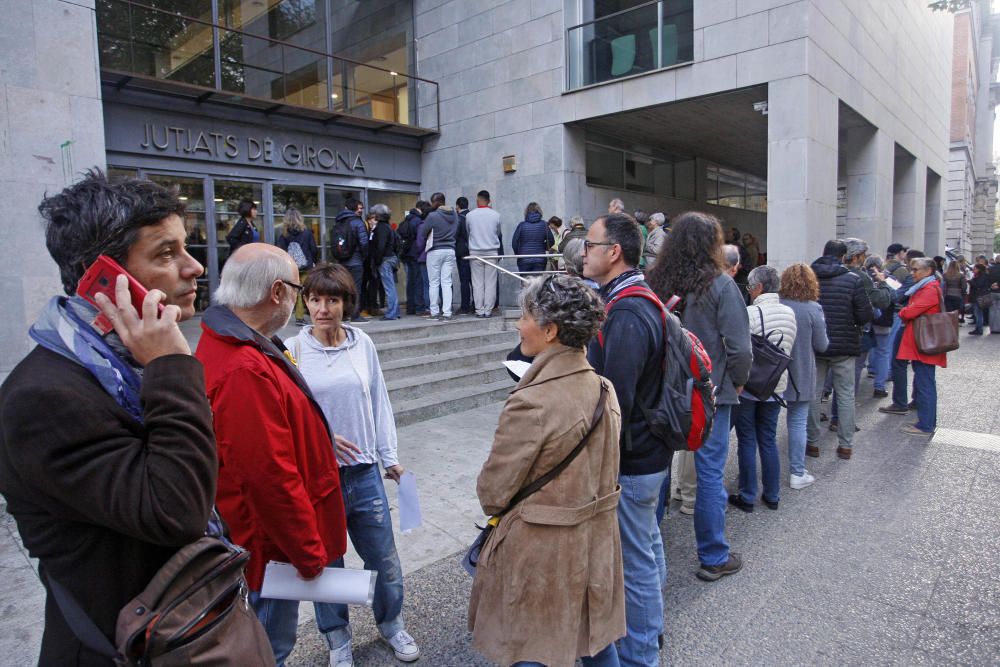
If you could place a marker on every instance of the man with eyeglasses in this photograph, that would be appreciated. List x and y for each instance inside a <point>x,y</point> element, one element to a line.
<point>631,356</point>
<point>279,487</point>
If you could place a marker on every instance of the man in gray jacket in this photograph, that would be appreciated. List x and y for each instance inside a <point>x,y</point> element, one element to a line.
<point>439,231</point>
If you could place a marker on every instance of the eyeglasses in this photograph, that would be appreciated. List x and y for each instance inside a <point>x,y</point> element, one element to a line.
<point>587,245</point>
<point>296,286</point>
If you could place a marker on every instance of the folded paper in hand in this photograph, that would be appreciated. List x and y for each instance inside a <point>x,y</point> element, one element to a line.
<point>335,584</point>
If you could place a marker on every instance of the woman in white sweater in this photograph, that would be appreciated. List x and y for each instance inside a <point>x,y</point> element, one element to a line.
<point>757,421</point>
<point>341,366</point>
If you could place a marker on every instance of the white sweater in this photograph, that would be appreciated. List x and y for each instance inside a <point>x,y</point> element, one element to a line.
<point>346,381</point>
<point>779,323</point>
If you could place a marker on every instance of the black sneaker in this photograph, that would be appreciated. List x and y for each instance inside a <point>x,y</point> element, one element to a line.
<point>770,504</point>
<point>880,393</point>
<point>716,572</point>
<point>357,319</point>
<point>912,405</point>
<point>893,409</point>
<point>736,501</point>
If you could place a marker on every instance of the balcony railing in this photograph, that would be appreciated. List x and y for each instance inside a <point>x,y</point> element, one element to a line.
<point>641,39</point>
<point>151,48</point>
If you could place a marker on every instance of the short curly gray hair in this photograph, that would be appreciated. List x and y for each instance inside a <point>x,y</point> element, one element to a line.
<point>766,277</point>
<point>567,302</point>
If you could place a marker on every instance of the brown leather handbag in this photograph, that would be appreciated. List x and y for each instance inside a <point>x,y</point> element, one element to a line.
<point>936,333</point>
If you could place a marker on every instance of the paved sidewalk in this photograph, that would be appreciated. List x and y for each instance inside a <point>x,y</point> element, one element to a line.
<point>889,558</point>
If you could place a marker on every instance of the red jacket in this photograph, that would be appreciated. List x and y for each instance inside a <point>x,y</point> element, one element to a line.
<point>926,300</point>
<point>279,489</point>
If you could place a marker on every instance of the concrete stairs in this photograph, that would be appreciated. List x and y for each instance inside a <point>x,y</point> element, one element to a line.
<point>438,368</point>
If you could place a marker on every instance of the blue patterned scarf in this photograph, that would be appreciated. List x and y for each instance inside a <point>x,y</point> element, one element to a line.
<point>64,328</point>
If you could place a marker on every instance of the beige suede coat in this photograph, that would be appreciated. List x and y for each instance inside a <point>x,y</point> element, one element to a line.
<point>549,585</point>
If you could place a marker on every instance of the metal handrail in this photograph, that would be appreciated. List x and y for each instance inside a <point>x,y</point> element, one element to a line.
<point>616,14</point>
<point>515,274</point>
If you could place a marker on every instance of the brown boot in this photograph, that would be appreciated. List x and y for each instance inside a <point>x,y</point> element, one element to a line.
<point>844,453</point>
<point>813,451</point>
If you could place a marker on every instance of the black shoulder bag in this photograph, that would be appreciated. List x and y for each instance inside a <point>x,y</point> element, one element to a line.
<point>769,362</point>
<point>471,558</point>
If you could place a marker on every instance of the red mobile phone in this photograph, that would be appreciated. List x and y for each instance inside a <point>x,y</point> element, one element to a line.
<point>100,279</point>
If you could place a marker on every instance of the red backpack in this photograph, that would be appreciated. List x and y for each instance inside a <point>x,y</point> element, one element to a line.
<point>681,416</point>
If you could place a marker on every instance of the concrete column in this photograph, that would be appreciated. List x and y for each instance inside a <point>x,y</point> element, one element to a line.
<point>52,129</point>
<point>909,202</point>
<point>869,186</point>
<point>933,220</point>
<point>801,170</point>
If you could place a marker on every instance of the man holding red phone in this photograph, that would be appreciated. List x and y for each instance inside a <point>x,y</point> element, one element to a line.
<point>107,455</point>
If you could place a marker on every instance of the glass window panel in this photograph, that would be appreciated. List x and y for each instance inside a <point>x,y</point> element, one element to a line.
<point>684,179</point>
<point>333,200</point>
<point>605,166</point>
<point>120,173</point>
<point>191,191</point>
<point>638,173</point>
<point>228,195</point>
<point>663,178</point>
<point>290,16</point>
<point>303,198</point>
<point>250,65</point>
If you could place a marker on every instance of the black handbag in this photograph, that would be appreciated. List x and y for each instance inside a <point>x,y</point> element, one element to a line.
<point>471,558</point>
<point>769,363</point>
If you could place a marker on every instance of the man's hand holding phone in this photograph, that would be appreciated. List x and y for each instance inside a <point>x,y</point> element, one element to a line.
<point>151,336</point>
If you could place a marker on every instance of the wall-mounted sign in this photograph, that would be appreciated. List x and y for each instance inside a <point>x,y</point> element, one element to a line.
<point>212,145</point>
<point>162,139</point>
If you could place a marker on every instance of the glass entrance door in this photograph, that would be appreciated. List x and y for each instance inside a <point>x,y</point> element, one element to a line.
<point>305,199</point>
<point>227,196</point>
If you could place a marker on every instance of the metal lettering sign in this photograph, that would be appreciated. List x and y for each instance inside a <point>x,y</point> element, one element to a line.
<point>247,149</point>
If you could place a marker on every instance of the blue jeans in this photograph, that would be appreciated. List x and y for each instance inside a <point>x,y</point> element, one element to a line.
<point>645,567</point>
<point>605,658</point>
<point>280,619</point>
<point>899,394</point>
<point>710,500</point>
<point>980,316</point>
<point>879,359</point>
<point>664,500</point>
<point>388,274</point>
<point>465,280</point>
<point>357,273</point>
<point>925,394</point>
<point>796,418</point>
<point>370,529</point>
<point>756,432</point>
<point>414,287</point>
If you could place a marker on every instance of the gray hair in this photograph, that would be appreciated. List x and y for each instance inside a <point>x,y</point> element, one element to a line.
<point>766,277</point>
<point>573,256</point>
<point>246,284</point>
<point>576,220</point>
<point>925,263</point>
<point>731,254</point>
<point>380,211</point>
<point>658,218</point>
<point>874,262</point>
<point>616,206</point>
<point>855,247</point>
<point>567,302</point>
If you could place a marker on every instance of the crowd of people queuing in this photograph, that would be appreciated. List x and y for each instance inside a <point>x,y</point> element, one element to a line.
<point>143,440</point>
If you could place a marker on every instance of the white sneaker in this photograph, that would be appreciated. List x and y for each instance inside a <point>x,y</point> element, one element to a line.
<point>801,481</point>
<point>342,656</point>
<point>403,646</point>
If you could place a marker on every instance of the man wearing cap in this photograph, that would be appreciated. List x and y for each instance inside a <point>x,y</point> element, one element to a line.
<point>895,261</point>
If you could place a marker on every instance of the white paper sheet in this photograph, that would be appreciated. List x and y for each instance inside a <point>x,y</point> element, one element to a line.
<point>335,584</point>
<point>892,282</point>
<point>409,503</point>
<point>517,367</point>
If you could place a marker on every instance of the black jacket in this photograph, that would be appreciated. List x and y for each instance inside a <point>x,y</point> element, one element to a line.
<point>384,244</point>
<point>632,358</point>
<point>845,306</point>
<point>306,242</point>
<point>101,500</point>
<point>407,232</point>
<point>462,236</point>
<point>241,234</point>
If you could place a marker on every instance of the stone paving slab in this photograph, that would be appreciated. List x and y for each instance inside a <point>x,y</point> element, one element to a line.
<point>890,558</point>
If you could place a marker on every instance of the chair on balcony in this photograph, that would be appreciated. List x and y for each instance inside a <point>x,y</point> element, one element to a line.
<point>622,55</point>
<point>668,44</point>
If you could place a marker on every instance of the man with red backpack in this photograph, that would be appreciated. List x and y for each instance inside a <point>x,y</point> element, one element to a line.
<point>630,354</point>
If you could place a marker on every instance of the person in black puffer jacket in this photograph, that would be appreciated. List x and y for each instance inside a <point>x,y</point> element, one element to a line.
<point>846,309</point>
<point>532,237</point>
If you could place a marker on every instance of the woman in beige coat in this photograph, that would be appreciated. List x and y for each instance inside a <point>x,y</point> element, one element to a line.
<point>549,585</point>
